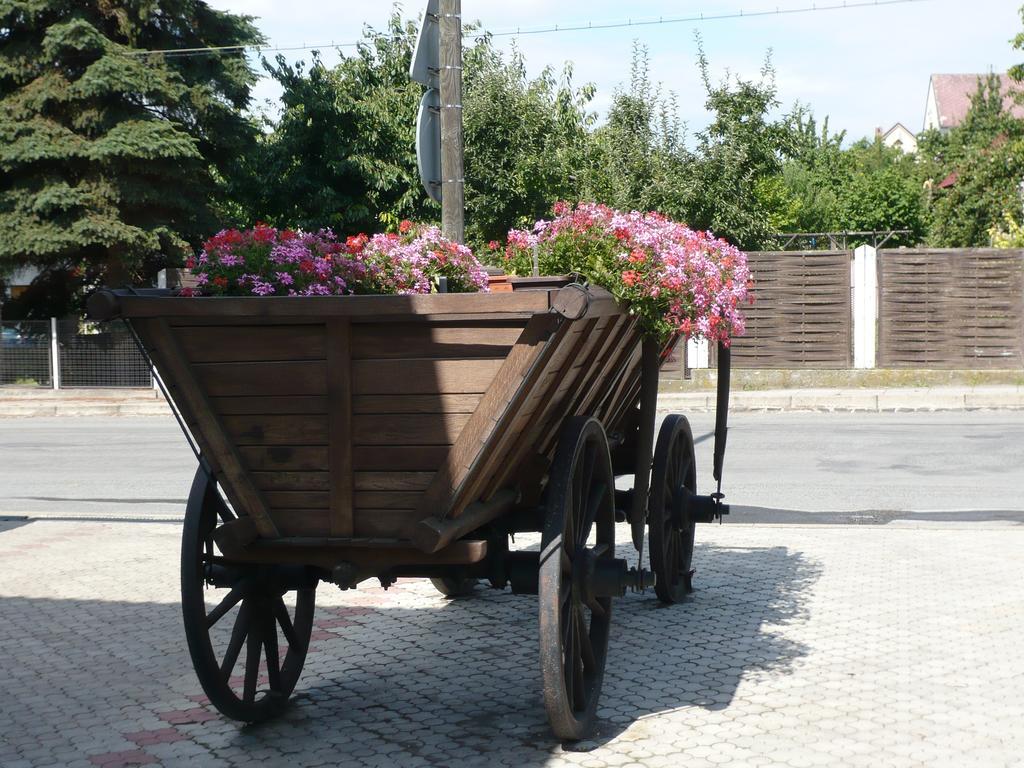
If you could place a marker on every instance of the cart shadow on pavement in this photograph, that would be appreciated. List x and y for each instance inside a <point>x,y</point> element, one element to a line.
<point>461,684</point>
<point>397,679</point>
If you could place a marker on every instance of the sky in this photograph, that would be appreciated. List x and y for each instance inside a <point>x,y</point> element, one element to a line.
<point>863,67</point>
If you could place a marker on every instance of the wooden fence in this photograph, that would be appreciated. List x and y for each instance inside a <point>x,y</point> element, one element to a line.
<point>802,315</point>
<point>951,308</point>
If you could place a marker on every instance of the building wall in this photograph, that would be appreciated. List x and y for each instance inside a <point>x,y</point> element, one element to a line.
<point>931,109</point>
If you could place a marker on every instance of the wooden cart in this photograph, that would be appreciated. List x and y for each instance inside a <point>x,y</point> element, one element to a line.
<point>348,438</point>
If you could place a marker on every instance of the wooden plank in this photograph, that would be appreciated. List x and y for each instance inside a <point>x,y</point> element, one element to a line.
<point>386,500</point>
<point>595,365</point>
<point>297,499</point>
<point>300,458</point>
<point>333,306</point>
<point>291,481</point>
<point>275,378</point>
<point>339,373</point>
<point>552,401</point>
<point>398,341</point>
<point>548,390</point>
<point>303,522</point>
<point>281,405</point>
<point>225,344</point>
<point>413,458</point>
<point>392,481</point>
<point>408,428</point>
<point>508,390</point>
<point>387,523</point>
<point>416,376</point>
<point>387,404</point>
<point>188,393</point>
<point>265,429</point>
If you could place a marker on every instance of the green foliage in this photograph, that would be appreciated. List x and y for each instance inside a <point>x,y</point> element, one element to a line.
<point>983,158</point>
<point>524,140</point>
<point>881,193</point>
<point>1008,234</point>
<point>1017,71</point>
<point>110,160</point>
<point>739,150</point>
<point>342,153</point>
<point>638,159</point>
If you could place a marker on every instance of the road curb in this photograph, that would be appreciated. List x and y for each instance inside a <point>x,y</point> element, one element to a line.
<point>869,401</point>
<point>813,400</point>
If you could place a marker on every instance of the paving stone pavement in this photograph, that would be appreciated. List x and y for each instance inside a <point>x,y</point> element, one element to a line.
<point>894,645</point>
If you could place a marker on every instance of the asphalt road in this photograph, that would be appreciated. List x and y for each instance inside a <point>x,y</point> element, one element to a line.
<point>780,467</point>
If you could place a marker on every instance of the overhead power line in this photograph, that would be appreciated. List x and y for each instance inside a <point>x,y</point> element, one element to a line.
<point>582,26</point>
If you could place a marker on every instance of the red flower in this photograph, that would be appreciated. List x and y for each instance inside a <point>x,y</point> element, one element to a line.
<point>494,245</point>
<point>190,262</point>
<point>637,256</point>
<point>630,277</point>
<point>404,226</point>
<point>220,281</point>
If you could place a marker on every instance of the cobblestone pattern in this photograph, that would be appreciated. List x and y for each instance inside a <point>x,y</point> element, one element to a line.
<point>804,646</point>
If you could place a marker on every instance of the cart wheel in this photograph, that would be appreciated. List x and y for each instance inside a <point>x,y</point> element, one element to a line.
<point>250,611</point>
<point>453,586</point>
<point>579,529</point>
<point>673,481</point>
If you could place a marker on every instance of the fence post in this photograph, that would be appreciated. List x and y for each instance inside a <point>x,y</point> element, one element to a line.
<point>865,306</point>
<point>54,354</point>
<point>697,353</point>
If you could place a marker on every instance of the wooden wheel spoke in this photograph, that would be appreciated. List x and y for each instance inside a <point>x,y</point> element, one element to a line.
<point>225,605</point>
<point>594,504</point>
<point>582,502</point>
<point>568,653</point>
<point>596,609</point>
<point>565,562</point>
<point>238,635</point>
<point>252,663</point>
<point>565,592</point>
<point>579,694</point>
<point>270,648</point>
<point>285,622</point>
<point>586,648</point>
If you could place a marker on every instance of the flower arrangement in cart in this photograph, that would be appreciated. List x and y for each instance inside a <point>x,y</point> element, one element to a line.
<point>265,261</point>
<point>679,281</point>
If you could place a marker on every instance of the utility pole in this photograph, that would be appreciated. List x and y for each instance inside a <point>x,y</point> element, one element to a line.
<point>452,182</point>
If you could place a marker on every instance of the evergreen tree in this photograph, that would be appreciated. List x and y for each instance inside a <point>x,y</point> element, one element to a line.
<point>110,159</point>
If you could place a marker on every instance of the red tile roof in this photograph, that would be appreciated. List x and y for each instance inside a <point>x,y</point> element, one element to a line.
<point>953,96</point>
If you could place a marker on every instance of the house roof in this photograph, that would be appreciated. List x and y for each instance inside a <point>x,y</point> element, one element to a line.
<point>953,96</point>
<point>896,128</point>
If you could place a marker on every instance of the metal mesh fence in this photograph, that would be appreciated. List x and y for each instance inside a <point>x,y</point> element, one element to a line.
<point>93,355</point>
<point>25,353</point>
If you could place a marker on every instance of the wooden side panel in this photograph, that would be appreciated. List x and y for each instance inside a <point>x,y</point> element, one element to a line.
<point>414,388</point>
<point>209,431</point>
<point>960,308</point>
<point>525,363</point>
<point>340,428</point>
<point>269,388</point>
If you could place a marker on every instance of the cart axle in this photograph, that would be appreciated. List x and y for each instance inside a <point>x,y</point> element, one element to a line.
<point>604,576</point>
